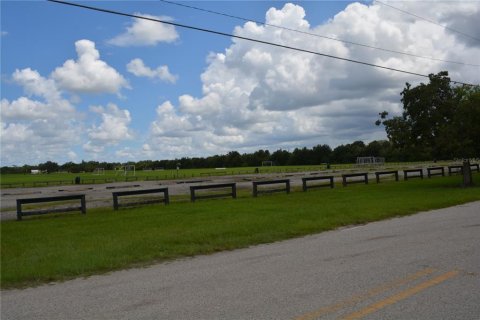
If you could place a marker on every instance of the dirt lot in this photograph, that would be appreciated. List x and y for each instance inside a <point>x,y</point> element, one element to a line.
<point>100,195</point>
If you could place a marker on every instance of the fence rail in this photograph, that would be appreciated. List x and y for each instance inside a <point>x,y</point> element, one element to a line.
<point>21,213</point>
<point>116,195</point>
<point>380,173</point>
<point>270,182</point>
<point>435,171</point>
<point>305,185</point>
<point>194,196</point>
<point>407,175</point>
<point>354,175</point>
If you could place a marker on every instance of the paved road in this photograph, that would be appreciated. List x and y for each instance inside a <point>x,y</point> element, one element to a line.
<point>425,266</point>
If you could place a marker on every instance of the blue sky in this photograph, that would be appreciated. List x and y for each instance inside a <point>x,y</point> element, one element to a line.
<point>83,85</point>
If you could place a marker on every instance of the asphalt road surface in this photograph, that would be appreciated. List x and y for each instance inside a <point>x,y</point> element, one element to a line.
<point>425,266</point>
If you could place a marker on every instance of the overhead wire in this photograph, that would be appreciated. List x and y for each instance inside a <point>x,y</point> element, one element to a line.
<point>244,38</point>
<point>315,34</point>
<point>428,20</point>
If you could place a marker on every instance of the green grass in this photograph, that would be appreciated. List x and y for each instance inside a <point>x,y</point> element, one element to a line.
<point>63,246</point>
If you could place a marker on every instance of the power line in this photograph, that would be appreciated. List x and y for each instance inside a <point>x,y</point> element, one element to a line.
<point>428,20</point>
<point>315,35</point>
<point>244,38</point>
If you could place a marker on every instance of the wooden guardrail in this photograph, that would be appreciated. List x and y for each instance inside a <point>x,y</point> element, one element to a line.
<point>305,186</point>
<point>458,168</point>
<point>345,177</point>
<point>432,171</point>
<point>256,191</point>
<point>232,193</point>
<point>380,173</point>
<point>455,169</point>
<point>407,171</point>
<point>286,189</point>
<point>118,194</point>
<point>21,213</point>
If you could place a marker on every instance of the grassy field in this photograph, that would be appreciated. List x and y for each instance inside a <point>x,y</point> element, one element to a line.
<point>30,180</point>
<point>63,246</point>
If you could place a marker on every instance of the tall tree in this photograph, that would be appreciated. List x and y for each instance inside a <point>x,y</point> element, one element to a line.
<point>322,154</point>
<point>280,157</point>
<point>48,166</point>
<point>467,122</point>
<point>348,153</point>
<point>431,123</point>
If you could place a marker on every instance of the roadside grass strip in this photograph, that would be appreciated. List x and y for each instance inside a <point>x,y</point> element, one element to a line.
<point>60,247</point>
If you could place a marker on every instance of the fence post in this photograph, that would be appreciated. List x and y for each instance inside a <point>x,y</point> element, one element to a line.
<point>166,196</point>
<point>467,174</point>
<point>192,194</point>
<point>83,205</point>
<point>115,201</point>
<point>19,210</point>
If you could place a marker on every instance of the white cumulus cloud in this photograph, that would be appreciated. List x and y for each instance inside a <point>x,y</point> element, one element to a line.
<point>114,126</point>
<point>138,68</point>
<point>125,153</point>
<point>88,74</point>
<point>34,84</point>
<point>39,140</point>
<point>40,126</point>
<point>92,148</point>
<point>145,32</point>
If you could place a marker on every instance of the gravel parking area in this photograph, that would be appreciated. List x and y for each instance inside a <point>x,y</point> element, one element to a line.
<point>100,195</point>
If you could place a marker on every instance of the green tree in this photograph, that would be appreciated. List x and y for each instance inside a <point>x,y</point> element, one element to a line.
<point>280,157</point>
<point>436,122</point>
<point>49,166</point>
<point>302,157</point>
<point>348,153</point>
<point>322,154</point>
<point>233,159</point>
<point>467,123</point>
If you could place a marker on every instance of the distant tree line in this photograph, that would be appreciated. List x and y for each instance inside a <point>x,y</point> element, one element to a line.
<point>319,154</point>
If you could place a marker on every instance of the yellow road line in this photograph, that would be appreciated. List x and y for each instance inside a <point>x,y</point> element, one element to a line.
<point>372,292</point>
<point>401,295</point>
